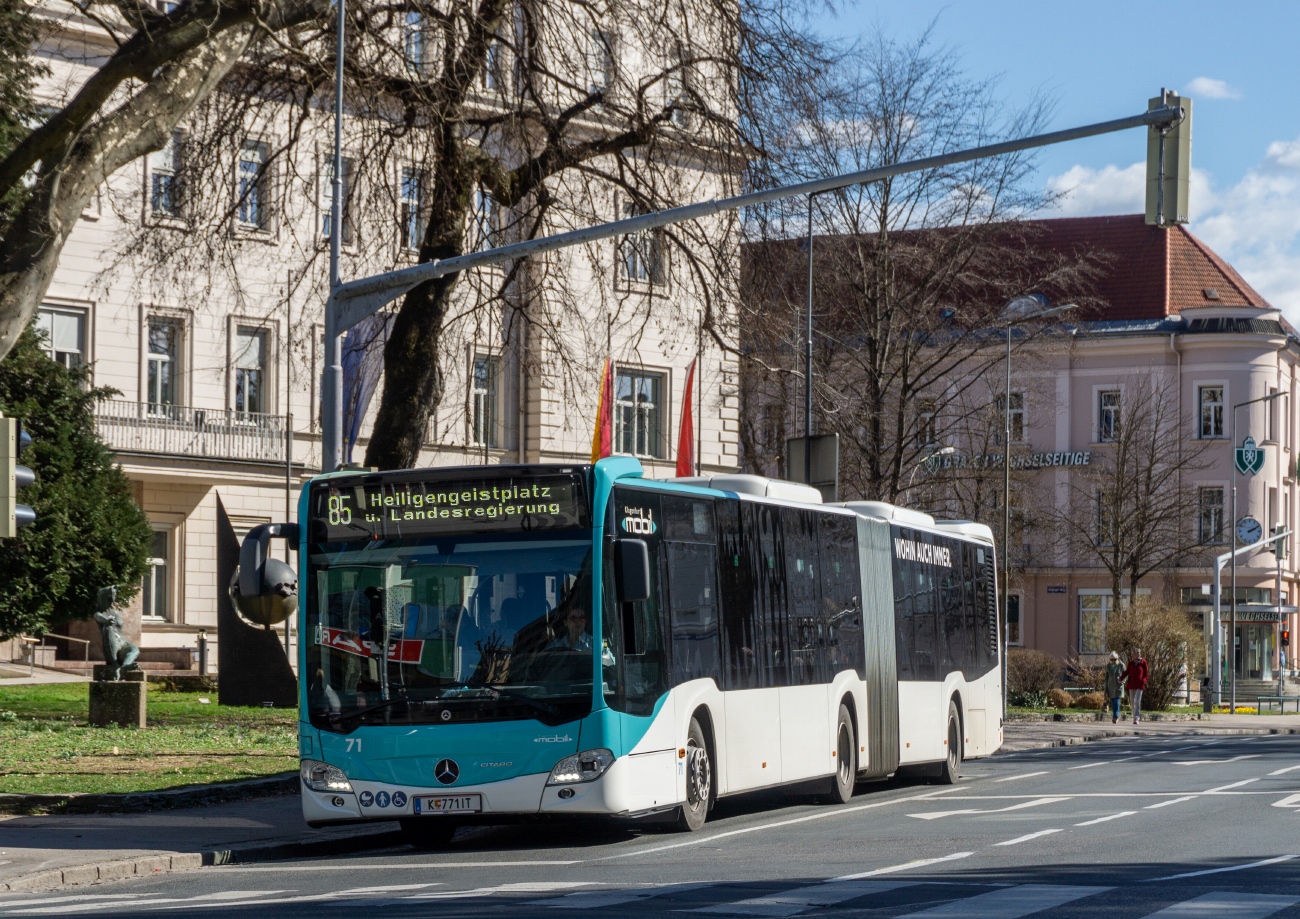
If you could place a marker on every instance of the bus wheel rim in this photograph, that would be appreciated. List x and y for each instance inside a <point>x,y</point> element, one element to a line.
<point>845,753</point>
<point>697,776</point>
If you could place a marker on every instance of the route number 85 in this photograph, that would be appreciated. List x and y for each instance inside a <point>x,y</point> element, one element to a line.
<point>338,513</point>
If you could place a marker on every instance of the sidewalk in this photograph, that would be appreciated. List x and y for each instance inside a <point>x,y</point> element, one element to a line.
<point>18,675</point>
<point>51,851</point>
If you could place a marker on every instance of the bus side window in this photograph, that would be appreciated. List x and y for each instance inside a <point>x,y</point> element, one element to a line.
<point>805,623</point>
<point>773,656</point>
<point>643,659</point>
<point>904,585</point>
<point>741,625</point>
<point>841,605</point>
<point>693,592</point>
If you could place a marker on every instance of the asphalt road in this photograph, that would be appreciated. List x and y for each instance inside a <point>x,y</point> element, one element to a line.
<point>1188,826</point>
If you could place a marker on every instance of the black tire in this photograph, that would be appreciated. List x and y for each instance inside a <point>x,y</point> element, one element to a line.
<point>428,832</point>
<point>950,768</point>
<point>846,759</point>
<point>699,781</point>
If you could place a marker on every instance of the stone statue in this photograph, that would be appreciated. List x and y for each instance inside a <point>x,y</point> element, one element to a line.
<point>119,654</point>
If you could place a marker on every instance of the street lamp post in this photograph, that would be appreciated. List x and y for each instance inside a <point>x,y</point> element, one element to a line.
<point>1022,309</point>
<point>1232,672</point>
<point>942,451</point>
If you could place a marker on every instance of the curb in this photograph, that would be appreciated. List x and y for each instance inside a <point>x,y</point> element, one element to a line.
<point>149,865</point>
<point>285,783</point>
<point>1076,740</point>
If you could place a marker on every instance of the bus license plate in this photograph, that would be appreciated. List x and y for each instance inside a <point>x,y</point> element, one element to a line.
<point>448,804</point>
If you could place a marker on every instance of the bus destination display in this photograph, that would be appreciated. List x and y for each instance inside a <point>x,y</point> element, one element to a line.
<point>409,508</point>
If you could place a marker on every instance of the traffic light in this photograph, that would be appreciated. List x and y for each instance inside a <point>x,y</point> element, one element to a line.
<point>13,476</point>
<point>1169,163</point>
<point>1278,547</point>
<point>1286,638</point>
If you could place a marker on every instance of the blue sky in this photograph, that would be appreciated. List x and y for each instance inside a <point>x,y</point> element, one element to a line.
<point>1100,59</point>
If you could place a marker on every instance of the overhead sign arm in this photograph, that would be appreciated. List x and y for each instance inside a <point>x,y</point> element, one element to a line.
<point>349,303</point>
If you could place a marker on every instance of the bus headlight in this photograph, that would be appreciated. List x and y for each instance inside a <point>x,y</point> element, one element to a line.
<point>581,767</point>
<point>324,777</point>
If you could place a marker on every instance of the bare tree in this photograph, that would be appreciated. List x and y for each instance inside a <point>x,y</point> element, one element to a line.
<point>470,122</point>
<point>911,274</point>
<point>1136,510</point>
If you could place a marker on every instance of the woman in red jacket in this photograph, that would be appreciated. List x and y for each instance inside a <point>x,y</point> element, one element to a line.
<point>1135,677</point>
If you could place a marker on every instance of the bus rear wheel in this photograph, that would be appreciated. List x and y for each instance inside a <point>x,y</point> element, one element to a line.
<point>427,832</point>
<point>846,759</point>
<point>699,781</point>
<point>950,768</point>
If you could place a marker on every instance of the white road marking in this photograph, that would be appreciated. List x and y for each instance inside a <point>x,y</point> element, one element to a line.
<point>1090,765</point>
<point>997,810</point>
<point>1019,839</point>
<point>599,899</point>
<point>1210,791</point>
<point>1151,807</point>
<point>247,869</point>
<point>1285,771</point>
<point>802,899</point>
<point>79,897</point>
<point>1104,819</point>
<point>1227,905</point>
<point>1027,775</point>
<point>835,812</point>
<point>906,866</point>
<point>1197,874</point>
<point>1289,801</point>
<point>133,901</point>
<point>1008,903</point>
<point>1211,762</point>
<point>521,887</point>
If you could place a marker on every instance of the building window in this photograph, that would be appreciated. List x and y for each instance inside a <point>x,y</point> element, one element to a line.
<point>327,200</point>
<point>677,88</point>
<point>484,395</point>
<point>1209,518</point>
<point>641,254</point>
<point>1108,415</point>
<point>154,603</point>
<point>250,371</point>
<point>414,44</point>
<point>254,186</point>
<point>485,220</point>
<point>927,429</point>
<point>162,370</point>
<point>1105,520</point>
<point>1013,636</point>
<point>164,175</point>
<point>1093,611</point>
<point>412,229</point>
<point>1210,399</point>
<point>1017,418</point>
<point>65,334</point>
<point>638,414</point>
<point>598,61</point>
<point>493,78</point>
<point>1270,416</point>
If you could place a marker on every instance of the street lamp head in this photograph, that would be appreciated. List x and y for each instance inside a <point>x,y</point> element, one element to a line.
<point>944,451</point>
<point>1034,306</point>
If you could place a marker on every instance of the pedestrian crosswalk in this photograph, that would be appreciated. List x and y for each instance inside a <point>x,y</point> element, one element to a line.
<point>914,898</point>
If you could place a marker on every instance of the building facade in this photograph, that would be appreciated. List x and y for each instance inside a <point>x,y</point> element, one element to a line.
<point>218,390</point>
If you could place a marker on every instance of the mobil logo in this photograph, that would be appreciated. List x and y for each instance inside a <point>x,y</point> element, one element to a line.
<point>643,524</point>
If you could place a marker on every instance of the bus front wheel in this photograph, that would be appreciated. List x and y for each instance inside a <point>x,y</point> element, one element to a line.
<point>699,781</point>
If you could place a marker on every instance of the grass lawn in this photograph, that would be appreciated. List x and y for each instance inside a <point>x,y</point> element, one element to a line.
<point>47,746</point>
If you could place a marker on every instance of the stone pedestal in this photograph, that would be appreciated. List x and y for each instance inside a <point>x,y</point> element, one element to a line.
<point>118,704</point>
<point>100,672</point>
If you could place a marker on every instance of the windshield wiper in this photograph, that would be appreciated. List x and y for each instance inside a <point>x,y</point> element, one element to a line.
<point>517,696</point>
<point>379,706</point>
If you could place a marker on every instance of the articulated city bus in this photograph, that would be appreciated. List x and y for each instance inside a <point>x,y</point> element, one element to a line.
<point>483,643</point>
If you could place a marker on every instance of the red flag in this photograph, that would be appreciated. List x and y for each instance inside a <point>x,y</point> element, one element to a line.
<point>602,438</point>
<point>686,438</point>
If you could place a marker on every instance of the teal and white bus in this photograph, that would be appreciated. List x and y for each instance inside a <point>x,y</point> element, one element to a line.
<point>484,643</point>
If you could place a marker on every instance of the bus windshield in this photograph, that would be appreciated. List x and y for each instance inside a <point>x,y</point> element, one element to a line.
<point>486,628</point>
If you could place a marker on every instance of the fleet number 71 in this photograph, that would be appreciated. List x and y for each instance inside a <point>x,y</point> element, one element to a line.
<point>354,743</point>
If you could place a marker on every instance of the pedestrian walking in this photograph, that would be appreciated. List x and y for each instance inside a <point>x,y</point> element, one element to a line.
<point>1114,686</point>
<point>1135,677</point>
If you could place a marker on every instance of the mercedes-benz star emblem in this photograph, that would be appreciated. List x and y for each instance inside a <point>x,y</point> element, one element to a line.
<point>446,771</point>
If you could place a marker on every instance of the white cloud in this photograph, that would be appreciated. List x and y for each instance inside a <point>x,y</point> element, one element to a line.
<point>1210,88</point>
<point>1255,224</point>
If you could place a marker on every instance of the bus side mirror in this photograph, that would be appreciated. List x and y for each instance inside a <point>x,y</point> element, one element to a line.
<point>265,589</point>
<point>631,570</point>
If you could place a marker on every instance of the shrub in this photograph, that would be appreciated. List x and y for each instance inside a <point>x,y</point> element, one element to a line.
<point>1081,672</point>
<point>1031,671</point>
<point>1059,698</point>
<point>1091,701</point>
<point>1168,639</point>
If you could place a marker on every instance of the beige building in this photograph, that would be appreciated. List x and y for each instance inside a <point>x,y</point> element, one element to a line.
<point>219,383</point>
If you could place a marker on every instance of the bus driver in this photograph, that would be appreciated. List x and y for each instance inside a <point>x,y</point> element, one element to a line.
<point>576,637</point>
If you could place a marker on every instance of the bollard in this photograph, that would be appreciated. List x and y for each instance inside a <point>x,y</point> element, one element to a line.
<point>203,652</point>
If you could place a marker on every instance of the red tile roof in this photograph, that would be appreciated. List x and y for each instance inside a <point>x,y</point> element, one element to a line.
<point>1147,273</point>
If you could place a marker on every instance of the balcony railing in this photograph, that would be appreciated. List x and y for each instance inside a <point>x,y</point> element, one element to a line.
<point>179,430</point>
